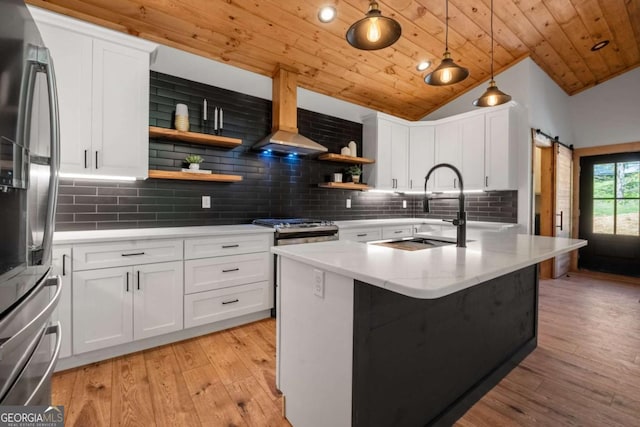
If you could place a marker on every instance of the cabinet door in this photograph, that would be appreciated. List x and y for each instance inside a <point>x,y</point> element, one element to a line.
<point>448,150</point>
<point>421,156</point>
<point>71,54</point>
<point>158,301</point>
<point>400,156</point>
<point>361,234</point>
<point>472,130</point>
<point>384,178</point>
<point>500,152</point>
<point>120,120</point>
<point>102,308</point>
<point>61,266</point>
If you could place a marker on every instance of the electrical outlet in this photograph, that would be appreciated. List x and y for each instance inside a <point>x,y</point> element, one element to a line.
<point>318,283</point>
<point>348,203</point>
<point>404,204</point>
<point>206,202</point>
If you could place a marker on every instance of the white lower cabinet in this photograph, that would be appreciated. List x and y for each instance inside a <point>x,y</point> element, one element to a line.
<point>125,303</point>
<point>212,306</point>
<point>361,234</point>
<point>61,266</point>
<point>103,308</point>
<point>397,232</point>
<point>157,299</point>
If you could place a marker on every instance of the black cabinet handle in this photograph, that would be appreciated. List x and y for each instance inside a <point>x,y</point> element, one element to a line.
<point>230,246</point>
<point>398,231</point>
<point>85,159</point>
<point>486,181</point>
<point>64,262</point>
<point>230,270</point>
<point>97,160</point>
<point>230,302</point>
<point>134,254</point>
<point>138,279</point>
<point>127,281</point>
<point>362,235</point>
<point>560,215</point>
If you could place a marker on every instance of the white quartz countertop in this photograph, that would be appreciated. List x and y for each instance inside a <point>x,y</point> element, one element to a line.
<point>430,273</point>
<point>410,221</point>
<point>97,236</point>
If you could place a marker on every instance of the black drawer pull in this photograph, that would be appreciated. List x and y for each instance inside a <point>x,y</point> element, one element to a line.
<point>230,246</point>
<point>398,231</point>
<point>362,235</point>
<point>230,270</point>
<point>230,302</point>
<point>135,254</point>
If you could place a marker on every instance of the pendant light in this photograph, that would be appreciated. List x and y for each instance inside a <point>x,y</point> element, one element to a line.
<point>492,96</point>
<point>374,31</point>
<point>448,72</point>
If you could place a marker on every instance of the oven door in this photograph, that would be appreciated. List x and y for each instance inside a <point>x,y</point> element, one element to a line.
<point>299,240</point>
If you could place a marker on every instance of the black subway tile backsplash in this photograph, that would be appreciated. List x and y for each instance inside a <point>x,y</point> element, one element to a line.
<point>272,186</point>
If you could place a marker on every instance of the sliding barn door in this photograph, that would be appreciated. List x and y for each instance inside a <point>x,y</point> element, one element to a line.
<point>563,160</point>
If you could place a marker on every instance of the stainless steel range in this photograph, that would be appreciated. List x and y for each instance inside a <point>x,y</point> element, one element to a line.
<point>291,231</point>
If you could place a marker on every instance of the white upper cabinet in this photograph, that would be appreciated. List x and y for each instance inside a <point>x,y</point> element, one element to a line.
<point>501,150</point>
<point>103,90</point>
<point>472,130</point>
<point>387,141</point>
<point>448,142</point>
<point>421,155</point>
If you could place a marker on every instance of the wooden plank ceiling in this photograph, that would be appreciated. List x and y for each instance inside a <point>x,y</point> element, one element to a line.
<point>257,34</point>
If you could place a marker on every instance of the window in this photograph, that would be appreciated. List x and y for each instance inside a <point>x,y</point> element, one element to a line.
<point>616,198</point>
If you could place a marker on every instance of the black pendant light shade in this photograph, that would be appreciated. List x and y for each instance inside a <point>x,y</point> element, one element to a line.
<point>447,73</point>
<point>492,96</point>
<point>374,31</point>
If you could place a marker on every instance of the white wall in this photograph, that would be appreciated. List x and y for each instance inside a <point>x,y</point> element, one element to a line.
<point>548,105</point>
<point>203,70</point>
<point>608,113</point>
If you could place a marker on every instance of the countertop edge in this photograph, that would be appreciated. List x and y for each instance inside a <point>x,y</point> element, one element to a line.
<point>103,236</point>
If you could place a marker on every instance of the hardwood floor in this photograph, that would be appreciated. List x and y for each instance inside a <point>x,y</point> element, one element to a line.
<point>585,372</point>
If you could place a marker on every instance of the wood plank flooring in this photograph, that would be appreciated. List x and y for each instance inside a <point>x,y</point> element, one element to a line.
<point>585,372</point>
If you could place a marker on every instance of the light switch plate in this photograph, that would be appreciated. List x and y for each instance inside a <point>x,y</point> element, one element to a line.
<point>318,283</point>
<point>206,202</point>
<point>348,203</point>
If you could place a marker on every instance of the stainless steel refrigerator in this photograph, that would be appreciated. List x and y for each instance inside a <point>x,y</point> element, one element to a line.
<point>29,162</point>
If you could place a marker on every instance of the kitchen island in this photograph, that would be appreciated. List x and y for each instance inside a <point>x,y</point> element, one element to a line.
<point>375,336</point>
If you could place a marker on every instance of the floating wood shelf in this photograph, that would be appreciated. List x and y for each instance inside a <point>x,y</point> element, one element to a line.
<point>344,185</point>
<point>332,157</point>
<point>194,137</point>
<point>187,176</point>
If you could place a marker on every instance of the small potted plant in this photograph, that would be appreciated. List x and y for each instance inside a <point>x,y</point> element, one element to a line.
<point>194,161</point>
<point>355,173</point>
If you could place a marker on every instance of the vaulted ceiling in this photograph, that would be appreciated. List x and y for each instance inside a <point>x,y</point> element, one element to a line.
<point>257,34</point>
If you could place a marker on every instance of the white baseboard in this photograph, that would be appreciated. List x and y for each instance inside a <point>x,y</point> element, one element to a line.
<point>132,347</point>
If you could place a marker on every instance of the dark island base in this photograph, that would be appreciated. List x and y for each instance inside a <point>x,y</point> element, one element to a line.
<point>426,362</point>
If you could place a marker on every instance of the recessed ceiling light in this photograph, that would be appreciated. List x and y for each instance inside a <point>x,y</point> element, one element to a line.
<point>599,45</point>
<point>423,65</point>
<point>327,14</point>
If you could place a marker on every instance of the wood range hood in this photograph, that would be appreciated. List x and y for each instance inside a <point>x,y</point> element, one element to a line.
<point>284,137</point>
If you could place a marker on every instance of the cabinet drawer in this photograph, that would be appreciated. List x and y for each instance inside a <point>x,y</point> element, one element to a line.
<point>400,231</point>
<point>361,235</point>
<point>120,254</point>
<point>226,245</point>
<point>221,304</point>
<point>207,274</point>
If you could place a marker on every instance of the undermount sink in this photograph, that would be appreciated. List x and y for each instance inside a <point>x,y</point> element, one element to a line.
<point>412,243</point>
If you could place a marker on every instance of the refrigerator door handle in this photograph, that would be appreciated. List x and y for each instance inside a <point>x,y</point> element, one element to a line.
<point>6,344</point>
<point>45,60</point>
<point>56,328</point>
